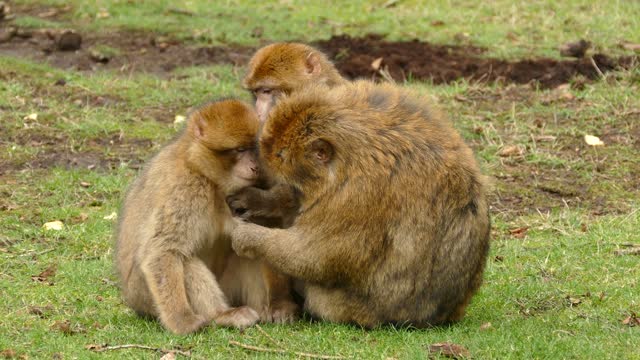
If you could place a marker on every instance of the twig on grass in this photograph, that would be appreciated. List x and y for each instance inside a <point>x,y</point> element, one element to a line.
<point>101,348</point>
<point>595,66</point>
<point>283,351</point>
<point>274,341</point>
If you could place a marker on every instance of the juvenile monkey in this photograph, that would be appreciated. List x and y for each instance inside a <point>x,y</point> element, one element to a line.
<point>393,226</point>
<point>274,71</point>
<point>173,240</point>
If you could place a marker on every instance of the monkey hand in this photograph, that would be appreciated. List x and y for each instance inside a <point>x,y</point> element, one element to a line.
<point>251,202</point>
<point>246,239</point>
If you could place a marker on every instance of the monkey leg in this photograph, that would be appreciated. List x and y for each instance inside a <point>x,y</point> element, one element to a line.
<point>204,293</point>
<point>207,298</point>
<point>337,305</point>
<point>245,283</point>
<point>136,294</point>
<point>164,274</point>
<point>280,307</point>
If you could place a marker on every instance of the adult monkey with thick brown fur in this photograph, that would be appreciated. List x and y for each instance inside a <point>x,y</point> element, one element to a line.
<point>393,225</point>
<point>173,251</point>
<point>274,71</point>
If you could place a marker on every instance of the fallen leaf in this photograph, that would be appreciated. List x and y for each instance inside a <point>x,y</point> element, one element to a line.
<point>511,150</point>
<point>111,216</point>
<point>103,14</point>
<point>53,225</point>
<point>449,350</point>
<point>498,258</point>
<point>168,356</point>
<point>573,301</point>
<point>8,354</point>
<point>33,117</point>
<point>64,326</point>
<point>486,326</point>
<point>85,184</point>
<point>519,232</point>
<point>631,320</point>
<point>46,274</point>
<point>179,119</point>
<point>375,64</point>
<point>40,311</point>
<point>95,347</point>
<point>593,140</point>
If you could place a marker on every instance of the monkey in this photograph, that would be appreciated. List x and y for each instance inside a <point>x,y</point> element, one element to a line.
<point>278,70</point>
<point>283,68</point>
<point>173,251</point>
<point>393,226</point>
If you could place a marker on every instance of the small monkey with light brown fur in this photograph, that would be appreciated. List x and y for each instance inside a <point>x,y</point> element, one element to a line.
<point>173,251</point>
<point>394,223</point>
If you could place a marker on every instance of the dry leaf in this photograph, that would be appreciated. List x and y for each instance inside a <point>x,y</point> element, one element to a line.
<point>519,232</point>
<point>449,350</point>
<point>63,326</point>
<point>511,150</point>
<point>53,225</point>
<point>168,356</point>
<point>631,320</point>
<point>103,14</point>
<point>8,354</point>
<point>111,216</point>
<point>33,117</point>
<point>593,140</point>
<point>179,119</point>
<point>46,274</point>
<point>375,64</point>
<point>486,326</point>
<point>85,184</point>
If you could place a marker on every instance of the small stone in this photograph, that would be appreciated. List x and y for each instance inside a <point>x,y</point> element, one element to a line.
<point>99,56</point>
<point>69,40</point>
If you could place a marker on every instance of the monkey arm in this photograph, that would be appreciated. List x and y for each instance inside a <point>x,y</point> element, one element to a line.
<point>280,201</point>
<point>289,252</point>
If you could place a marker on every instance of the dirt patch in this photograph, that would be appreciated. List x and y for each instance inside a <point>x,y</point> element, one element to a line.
<point>126,52</point>
<point>444,63</point>
<point>135,51</point>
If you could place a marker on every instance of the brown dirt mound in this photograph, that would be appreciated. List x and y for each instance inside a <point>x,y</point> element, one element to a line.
<point>443,63</point>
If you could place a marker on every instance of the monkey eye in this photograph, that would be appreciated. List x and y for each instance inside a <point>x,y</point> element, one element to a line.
<point>265,91</point>
<point>241,149</point>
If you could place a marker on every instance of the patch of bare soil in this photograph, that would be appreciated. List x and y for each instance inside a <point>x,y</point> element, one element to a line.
<point>126,52</point>
<point>366,57</point>
<point>356,57</point>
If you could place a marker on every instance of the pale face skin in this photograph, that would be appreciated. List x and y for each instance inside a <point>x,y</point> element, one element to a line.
<point>265,99</point>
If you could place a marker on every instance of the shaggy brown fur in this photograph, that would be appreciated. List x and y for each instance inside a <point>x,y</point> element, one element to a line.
<point>394,224</point>
<point>173,252</point>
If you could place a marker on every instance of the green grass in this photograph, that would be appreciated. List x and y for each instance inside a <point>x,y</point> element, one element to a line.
<point>559,291</point>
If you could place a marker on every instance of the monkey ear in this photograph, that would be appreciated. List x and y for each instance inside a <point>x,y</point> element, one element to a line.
<point>198,126</point>
<point>312,64</point>
<point>322,151</point>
